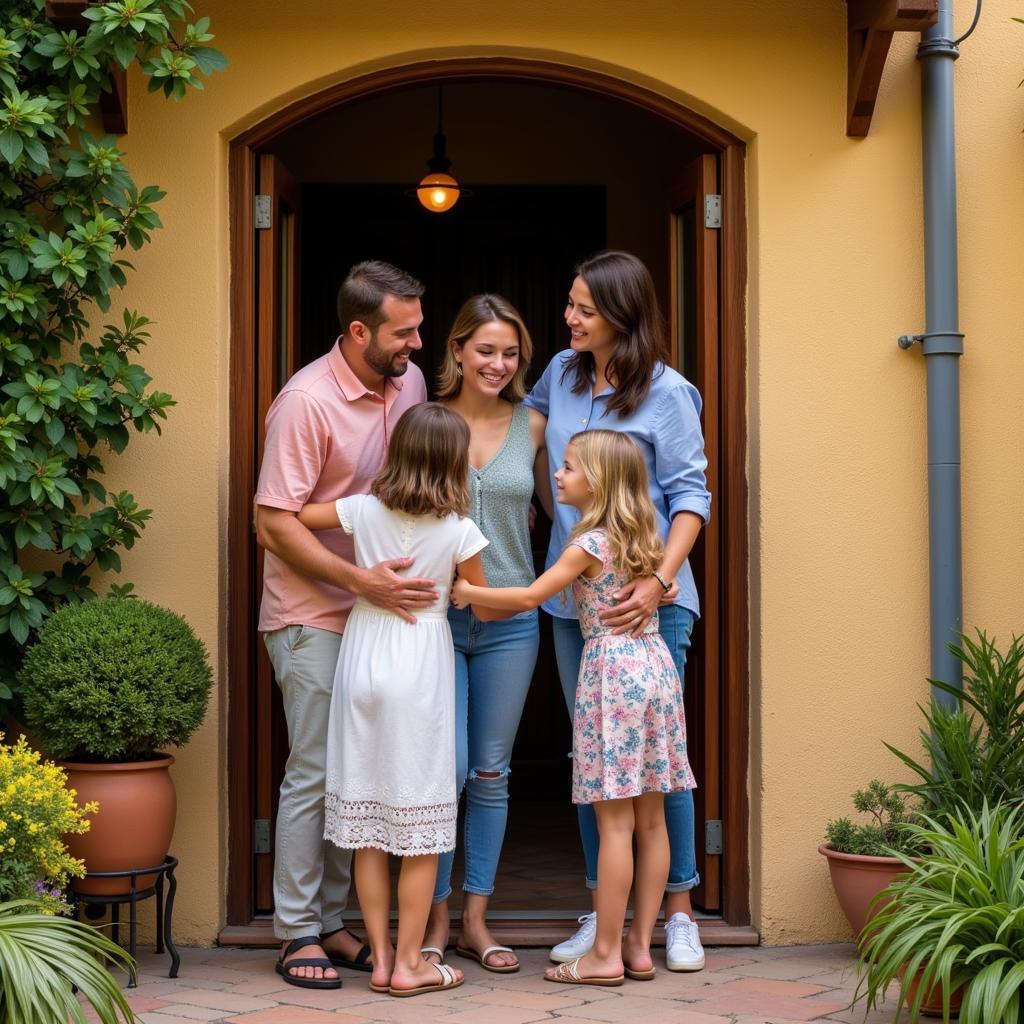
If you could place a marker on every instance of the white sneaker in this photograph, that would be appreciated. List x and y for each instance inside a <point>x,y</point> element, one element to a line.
<point>683,951</point>
<point>578,944</point>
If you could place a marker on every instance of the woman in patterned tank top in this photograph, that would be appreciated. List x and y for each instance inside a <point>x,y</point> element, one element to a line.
<point>482,379</point>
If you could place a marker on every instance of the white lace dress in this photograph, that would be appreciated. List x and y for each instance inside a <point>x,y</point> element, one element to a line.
<point>391,736</point>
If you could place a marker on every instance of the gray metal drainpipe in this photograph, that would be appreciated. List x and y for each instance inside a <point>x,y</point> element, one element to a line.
<point>942,344</point>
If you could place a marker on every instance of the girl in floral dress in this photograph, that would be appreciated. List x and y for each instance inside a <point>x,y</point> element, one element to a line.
<point>629,731</point>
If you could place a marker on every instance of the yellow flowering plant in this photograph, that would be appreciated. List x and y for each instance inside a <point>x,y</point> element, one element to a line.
<point>36,811</point>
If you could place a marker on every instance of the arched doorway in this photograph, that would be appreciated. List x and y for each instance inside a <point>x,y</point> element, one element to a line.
<point>325,208</point>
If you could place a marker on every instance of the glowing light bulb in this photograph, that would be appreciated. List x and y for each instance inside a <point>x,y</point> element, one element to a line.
<point>438,192</point>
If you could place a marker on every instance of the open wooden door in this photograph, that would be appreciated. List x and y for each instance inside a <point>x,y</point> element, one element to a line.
<point>694,212</point>
<point>278,214</point>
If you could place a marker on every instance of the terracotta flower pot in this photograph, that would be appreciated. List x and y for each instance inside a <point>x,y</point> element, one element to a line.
<point>931,1005</point>
<point>857,879</point>
<point>134,824</point>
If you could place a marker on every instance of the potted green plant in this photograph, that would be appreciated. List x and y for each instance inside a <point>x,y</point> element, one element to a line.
<point>45,959</point>
<point>951,929</point>
<point>106,686</point>
<point>861,856</point>
<point>974,739</point>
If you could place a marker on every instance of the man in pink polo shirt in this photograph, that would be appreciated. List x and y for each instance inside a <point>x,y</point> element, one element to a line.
<point>327,436</point>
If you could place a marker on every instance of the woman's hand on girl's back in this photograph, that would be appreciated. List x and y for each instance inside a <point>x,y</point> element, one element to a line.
<point>637,601</point>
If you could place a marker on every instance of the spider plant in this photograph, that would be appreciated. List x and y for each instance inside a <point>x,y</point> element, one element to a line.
<point>44,959</point>
<point>955,921</point>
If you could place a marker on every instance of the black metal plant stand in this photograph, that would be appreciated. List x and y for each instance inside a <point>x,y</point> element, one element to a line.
<point>164,907</point>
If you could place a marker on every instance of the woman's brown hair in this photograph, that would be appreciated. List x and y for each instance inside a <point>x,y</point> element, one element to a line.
<point>475,312</point>
<point>614,468</point>
<point>624,295</point>
<point>427,468</point>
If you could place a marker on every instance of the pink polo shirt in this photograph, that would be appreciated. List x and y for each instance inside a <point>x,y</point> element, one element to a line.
<point>327,436</point>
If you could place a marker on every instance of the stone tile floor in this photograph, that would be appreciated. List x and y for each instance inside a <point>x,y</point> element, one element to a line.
<point>739,986</point>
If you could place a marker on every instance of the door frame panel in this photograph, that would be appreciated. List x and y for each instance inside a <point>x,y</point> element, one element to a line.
<point>731,503</point>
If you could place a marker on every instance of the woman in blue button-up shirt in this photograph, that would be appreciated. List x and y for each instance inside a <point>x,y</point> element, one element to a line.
<point>614,376</point>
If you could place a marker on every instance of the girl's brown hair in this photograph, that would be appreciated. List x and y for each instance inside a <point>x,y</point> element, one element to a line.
<point>475,312</point>
<point>615,470</point>
<point>624,295</point>
<point>427,469</point>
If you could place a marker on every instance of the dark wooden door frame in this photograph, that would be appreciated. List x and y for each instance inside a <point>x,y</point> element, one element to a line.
<point>730,503</point>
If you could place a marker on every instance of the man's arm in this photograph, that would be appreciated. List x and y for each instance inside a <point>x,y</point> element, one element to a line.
<point>280,532</point>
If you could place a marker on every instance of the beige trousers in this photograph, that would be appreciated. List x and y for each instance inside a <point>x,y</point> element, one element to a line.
<point>311,875</point>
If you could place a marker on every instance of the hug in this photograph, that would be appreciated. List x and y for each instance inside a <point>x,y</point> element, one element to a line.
<point>400,615</point>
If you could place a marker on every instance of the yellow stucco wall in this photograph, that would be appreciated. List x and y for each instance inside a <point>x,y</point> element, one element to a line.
<point>838,573</point>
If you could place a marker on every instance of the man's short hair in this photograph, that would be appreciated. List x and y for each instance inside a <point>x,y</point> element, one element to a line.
<point>363,292</point>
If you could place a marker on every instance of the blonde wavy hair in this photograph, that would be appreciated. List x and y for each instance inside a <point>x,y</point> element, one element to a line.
<point>427,469</point>
<point>615,470</point>
<point>475,312</point>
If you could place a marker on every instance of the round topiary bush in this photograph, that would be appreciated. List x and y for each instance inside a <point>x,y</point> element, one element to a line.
<point>114,680</point>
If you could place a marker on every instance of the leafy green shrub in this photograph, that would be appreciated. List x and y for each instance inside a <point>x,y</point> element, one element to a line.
<point>883,834</point>
<point>44,960</point>
<point>975,745</point>
<point>69,210</point>
<point>958,916</point>
<point>114,680</point>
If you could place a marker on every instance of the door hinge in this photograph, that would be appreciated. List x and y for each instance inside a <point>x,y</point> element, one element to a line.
<point>263,213</point>
<point>712,837</point>
<point>261,835</point>
<point>712,211</point>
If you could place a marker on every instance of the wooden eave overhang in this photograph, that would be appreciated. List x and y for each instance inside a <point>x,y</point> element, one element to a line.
<point>870,25</point>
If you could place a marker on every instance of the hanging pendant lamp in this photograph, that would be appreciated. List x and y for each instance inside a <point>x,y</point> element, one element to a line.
<point>438,191</point>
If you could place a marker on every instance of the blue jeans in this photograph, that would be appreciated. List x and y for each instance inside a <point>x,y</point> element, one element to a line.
<point>675,625</point>
<point>493,667</point>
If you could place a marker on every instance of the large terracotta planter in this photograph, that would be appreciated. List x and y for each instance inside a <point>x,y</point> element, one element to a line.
<point>134,825</point>
<point>931,1005</point>
<point>857,880</point>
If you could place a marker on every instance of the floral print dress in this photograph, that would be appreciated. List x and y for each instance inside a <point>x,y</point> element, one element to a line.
<point>629,729</point>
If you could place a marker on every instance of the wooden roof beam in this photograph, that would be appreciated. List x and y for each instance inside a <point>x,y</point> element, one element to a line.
<point>869,26</point>
<point>67,14</point>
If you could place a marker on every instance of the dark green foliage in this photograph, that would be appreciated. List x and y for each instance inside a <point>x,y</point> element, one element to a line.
<point>114,680</point>
<point>884,834</point>
<point>71,394</point>
<point>958,915</point>
<point>976,748</point>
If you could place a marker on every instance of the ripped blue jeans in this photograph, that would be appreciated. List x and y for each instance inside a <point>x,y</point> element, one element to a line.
<point>493,666</point>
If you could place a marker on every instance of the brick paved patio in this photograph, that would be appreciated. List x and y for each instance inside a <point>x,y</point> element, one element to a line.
<point>739,986</point>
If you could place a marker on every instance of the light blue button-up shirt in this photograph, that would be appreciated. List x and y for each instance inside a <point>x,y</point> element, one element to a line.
<point>666,426</point>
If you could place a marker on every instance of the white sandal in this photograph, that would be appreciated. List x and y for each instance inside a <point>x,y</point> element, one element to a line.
<point>569,974</point>
<point>448,980</point>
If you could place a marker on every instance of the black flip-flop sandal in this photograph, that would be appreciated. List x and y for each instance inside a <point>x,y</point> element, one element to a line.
<point>323,963</point>
<point>361,961</point>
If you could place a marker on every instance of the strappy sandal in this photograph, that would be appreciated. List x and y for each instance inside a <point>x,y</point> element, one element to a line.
<point>361,961</point>
<point>448,980</point>
<point>481,958</point>
<point>284,969</point>
<point>569,974</point>
<point>438,952</point>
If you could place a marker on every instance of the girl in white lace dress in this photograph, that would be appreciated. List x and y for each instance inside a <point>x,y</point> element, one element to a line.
<point>391,738</point>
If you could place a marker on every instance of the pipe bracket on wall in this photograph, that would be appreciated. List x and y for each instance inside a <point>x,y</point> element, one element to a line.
<point>935,343</point>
